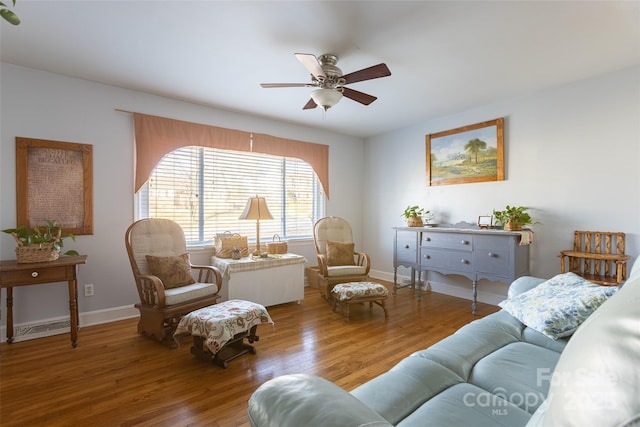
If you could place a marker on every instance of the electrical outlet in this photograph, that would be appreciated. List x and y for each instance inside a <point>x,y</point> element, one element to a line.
<point>88,290</point>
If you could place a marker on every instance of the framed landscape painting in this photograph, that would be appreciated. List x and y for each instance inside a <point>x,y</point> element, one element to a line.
<point>473,153</point>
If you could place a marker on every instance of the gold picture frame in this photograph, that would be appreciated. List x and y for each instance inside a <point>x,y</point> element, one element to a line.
<point>54,181</point>
<point>467,154</point>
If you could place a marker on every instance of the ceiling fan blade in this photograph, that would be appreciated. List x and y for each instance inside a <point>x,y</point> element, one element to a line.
<point>312,64</point>
<point>357,96</point>
<point>310,105</point>
<point>374,72</point>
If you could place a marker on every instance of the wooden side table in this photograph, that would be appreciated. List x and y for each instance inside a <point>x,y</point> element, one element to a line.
<point>63,269</point>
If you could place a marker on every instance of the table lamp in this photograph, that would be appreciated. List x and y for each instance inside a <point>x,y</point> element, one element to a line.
<point>256,209</point>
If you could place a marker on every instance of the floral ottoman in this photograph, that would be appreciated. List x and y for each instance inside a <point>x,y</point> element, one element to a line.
<point>219,330</point>
<point>345,294</point>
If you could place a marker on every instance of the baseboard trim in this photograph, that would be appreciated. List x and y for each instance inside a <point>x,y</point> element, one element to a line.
<point>60,325</point>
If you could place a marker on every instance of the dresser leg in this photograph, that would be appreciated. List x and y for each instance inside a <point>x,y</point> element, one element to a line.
<point>395,280</point>
<point>475,297</point>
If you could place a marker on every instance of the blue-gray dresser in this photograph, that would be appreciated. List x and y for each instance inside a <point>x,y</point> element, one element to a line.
<point>468,251</point>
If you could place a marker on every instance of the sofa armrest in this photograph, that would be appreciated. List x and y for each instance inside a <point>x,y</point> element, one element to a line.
<point>523,284</point>
<point>309,401</point>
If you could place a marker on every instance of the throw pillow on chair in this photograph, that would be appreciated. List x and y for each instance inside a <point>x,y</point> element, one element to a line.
<point>174,271</point>
<point>340,253</point>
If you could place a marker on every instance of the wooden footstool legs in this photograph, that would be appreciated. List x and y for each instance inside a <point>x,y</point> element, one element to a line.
<point>232,349</point>
<point>346,294</point>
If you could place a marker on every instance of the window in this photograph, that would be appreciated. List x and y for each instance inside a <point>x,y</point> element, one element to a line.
<point>206,189</point>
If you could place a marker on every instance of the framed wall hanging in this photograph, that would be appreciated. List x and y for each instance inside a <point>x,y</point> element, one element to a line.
<point>473,153</point>
<point>54,180</point>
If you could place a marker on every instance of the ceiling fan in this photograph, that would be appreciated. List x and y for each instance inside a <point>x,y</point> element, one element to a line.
<point>330,82</point>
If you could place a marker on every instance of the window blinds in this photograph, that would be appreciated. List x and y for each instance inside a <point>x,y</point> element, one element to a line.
<point>206,189</point>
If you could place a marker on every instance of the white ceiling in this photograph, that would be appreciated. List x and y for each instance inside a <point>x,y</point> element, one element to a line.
<point>445,57</point>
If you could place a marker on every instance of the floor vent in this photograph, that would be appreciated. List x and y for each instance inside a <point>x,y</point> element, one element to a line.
<point>51,328</point>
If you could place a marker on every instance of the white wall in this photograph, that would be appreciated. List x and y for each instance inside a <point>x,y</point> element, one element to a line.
<point>48,106</point>
<point>571,154</point>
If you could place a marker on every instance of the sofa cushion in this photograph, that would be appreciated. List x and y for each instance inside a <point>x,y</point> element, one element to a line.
<point>534,337</point>
<point>462,350</point>
<point>518,372</point>
<point>174,271</point>
<point>400,391</point>
<point>558,306</point>
<point>466,405</point>
<point>339,253</point>
<point>596,380</point>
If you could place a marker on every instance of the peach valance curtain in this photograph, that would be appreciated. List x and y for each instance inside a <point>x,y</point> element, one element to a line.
<point>156,137</point>
<point>317,155</point>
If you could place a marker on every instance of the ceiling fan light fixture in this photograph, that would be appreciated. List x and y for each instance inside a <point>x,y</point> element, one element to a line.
<point>326,98</point>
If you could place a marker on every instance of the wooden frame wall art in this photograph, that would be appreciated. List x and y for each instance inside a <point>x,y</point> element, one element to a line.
<point>473,153</point>
<point>54,180</point>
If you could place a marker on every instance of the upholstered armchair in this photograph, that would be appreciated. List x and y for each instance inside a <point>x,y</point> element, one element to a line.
<point>165,278</point>
<point>338,262</point>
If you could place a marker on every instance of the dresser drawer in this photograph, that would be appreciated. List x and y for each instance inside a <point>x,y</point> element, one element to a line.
<point>37,275</point>
<point>491,261</point>
<point>495,243</point>
<point>447,259</point>
<point>406,250</point>
<point>458,241</point>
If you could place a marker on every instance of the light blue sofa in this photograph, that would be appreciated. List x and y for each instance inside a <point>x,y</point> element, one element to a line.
<point>494,371</point>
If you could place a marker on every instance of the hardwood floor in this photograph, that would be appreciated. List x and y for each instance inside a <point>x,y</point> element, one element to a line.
<point>117,378</point>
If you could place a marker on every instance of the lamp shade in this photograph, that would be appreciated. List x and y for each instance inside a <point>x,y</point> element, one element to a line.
<point>326,98</point>
<point>256,209</point>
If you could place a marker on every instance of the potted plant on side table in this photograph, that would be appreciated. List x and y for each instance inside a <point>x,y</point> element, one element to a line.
<point>40,244</point>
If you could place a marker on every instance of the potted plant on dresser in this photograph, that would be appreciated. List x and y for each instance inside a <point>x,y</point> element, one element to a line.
<point>414,214</point>
<point>513,218</point>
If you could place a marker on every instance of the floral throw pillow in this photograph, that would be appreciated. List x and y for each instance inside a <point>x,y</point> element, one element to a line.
<point>558,306</point>
<point>339,253</point>
<point>174,271</point>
